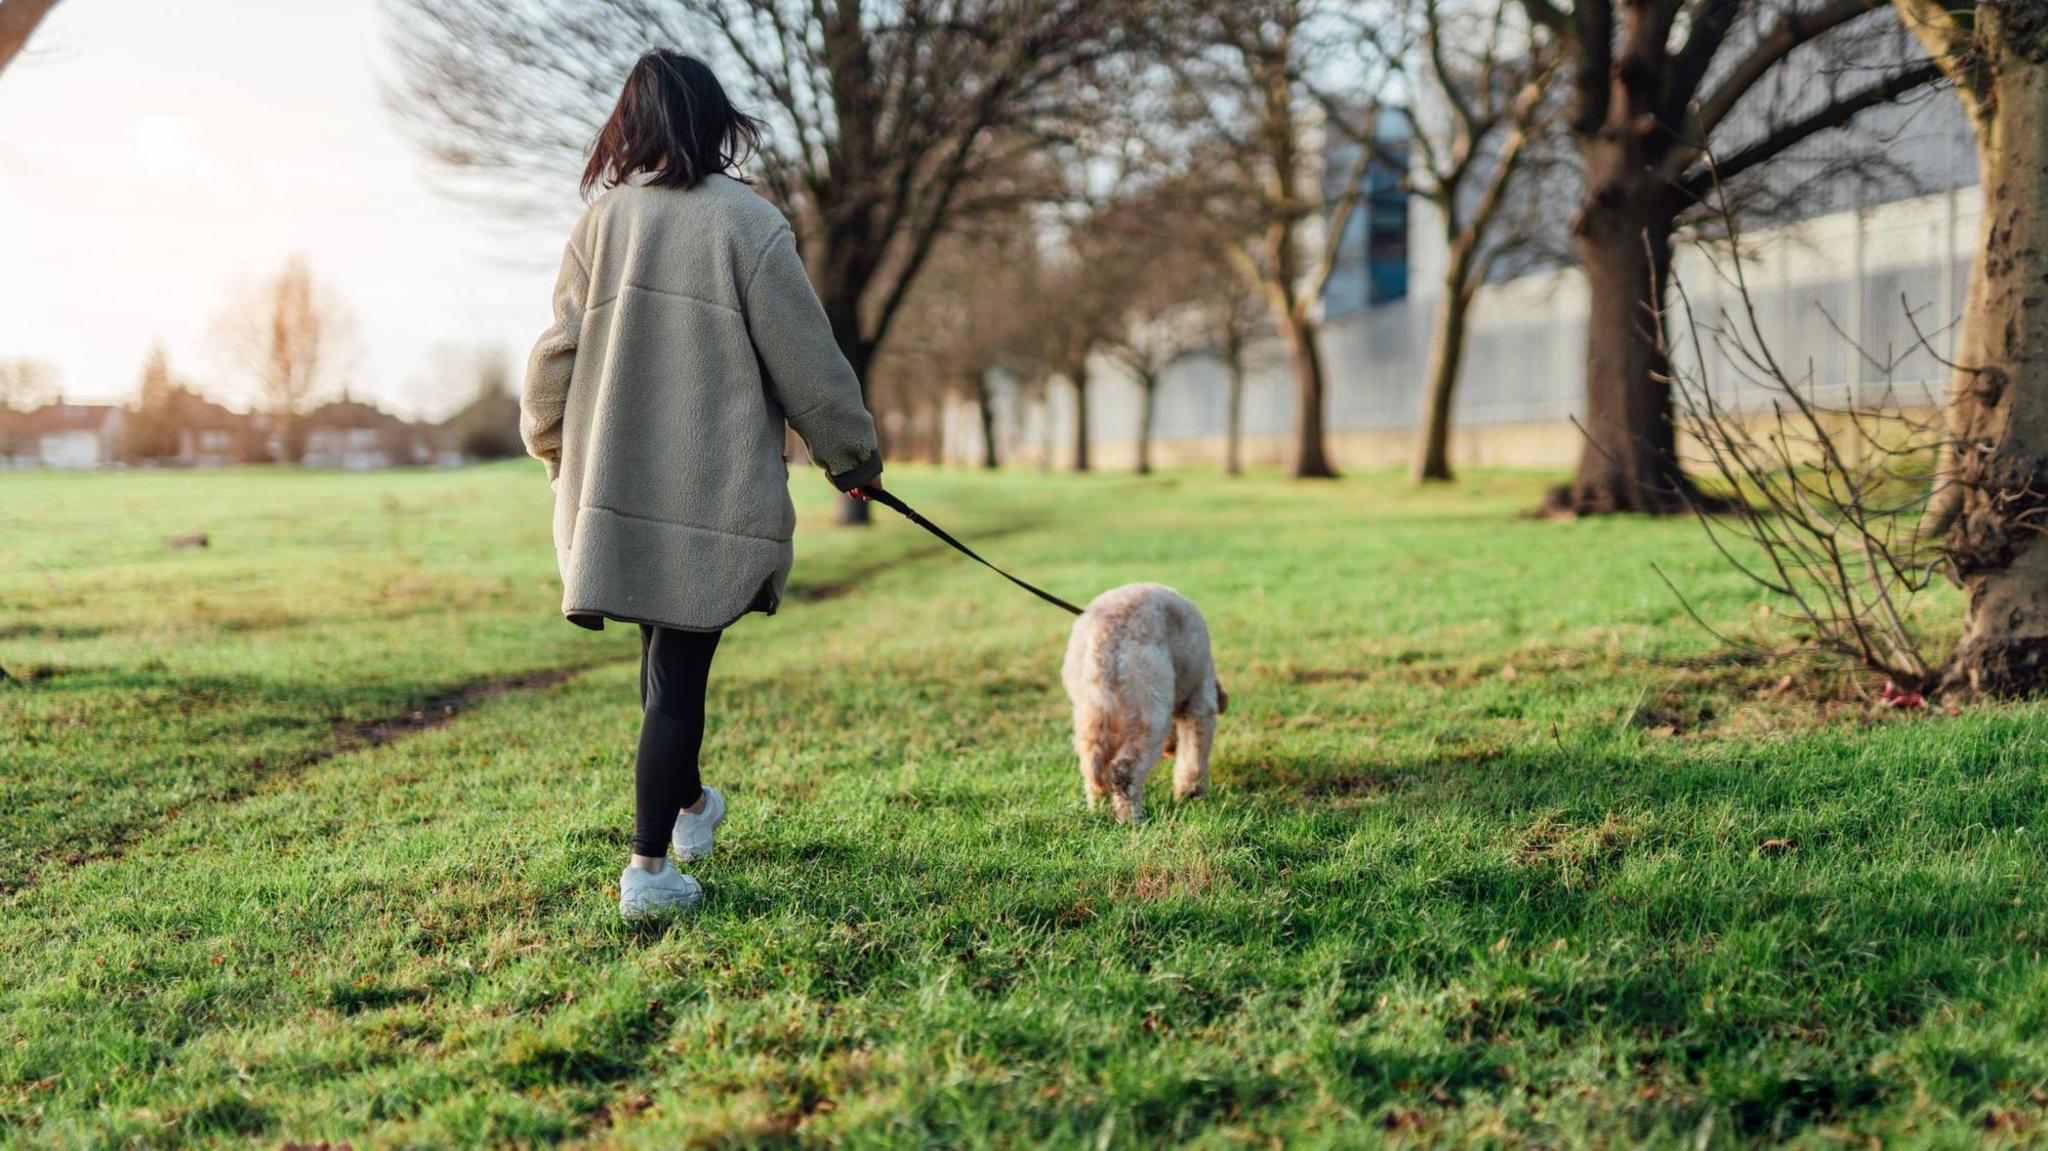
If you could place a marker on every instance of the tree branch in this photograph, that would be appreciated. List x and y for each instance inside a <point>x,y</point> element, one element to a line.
<point>1711,21</point>
<point>1834,115</point>
<point>1792,30</point>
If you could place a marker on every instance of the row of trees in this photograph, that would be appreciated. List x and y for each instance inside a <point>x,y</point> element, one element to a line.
<point>898,127</point>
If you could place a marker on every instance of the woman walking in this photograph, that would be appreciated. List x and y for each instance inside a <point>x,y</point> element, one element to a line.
<point>686,335</point>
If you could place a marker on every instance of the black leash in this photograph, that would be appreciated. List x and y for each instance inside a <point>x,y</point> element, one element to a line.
<point>888,499</point>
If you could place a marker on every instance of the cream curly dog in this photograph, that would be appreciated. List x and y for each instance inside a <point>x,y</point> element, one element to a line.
<point>1139,672</point>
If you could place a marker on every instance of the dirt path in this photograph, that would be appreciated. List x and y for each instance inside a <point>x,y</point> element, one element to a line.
<point>436,712</point>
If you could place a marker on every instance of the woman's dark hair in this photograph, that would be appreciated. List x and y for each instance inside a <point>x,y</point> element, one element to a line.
<point>674,121</point>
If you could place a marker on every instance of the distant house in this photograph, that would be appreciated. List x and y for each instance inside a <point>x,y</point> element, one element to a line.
<point>353,436</point>
<point>68,436</point>
<point>187,430</point>
<point>209,435</point>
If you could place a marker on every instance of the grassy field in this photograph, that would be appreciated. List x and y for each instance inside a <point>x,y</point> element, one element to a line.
<point>311,836</point>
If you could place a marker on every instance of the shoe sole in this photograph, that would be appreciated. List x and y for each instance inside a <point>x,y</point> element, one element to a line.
<point>653,910</point>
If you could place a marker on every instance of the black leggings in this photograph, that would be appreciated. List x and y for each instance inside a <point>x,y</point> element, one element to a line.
<point>674,667</point>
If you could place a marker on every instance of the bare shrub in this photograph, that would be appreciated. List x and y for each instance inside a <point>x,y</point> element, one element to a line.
<point>1826,484</point>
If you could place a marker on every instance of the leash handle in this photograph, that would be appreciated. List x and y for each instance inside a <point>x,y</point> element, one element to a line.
<point>889,500</point>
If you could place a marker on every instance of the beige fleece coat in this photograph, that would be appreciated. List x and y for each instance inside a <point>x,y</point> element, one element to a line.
<point>685,336</point>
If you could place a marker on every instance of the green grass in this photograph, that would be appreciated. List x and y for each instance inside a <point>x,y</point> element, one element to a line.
<point>1501,849</point>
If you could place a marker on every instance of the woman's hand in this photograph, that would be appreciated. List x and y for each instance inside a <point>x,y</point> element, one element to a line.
<point>866,492</point>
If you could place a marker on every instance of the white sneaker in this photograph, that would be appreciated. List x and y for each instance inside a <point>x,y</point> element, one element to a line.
<point>693,833</point>
<point>652,893</point>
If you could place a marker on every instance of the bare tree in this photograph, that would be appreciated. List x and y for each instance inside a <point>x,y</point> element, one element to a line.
<point>1075,320</point>
<point>1653,84</point>
<point>26,384</point>
<point>1154,333</point>
<point>18,20</point>
<point>1236,317</point>
<point>1228,310</point>
<point>1246,72</point>
<point>1823,498</point>
<point>150,431</point>
<point>967,316</point>
<point>289,336</point>
<point>888,122</point>
<point>1491,78</point>
<point>1148,271</point>
<point>1993,481</point>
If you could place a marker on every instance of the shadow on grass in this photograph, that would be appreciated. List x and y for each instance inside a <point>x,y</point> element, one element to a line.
<point>844,582</point>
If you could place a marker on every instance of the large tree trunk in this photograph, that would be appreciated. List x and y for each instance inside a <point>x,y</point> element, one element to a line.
<point>291,438</point>
<point>932,431</point>
<point>1148,394</point>
<point>1311,456</point>
<point>860,354</point>
<point>1047,445</point>
<point>1999,394</point>
<point>841,279</point>
<point>1079,375</point>
<point>1233,415</point>
<point>1446,353</point>
<point>984,402</point>
<point>1629,462</point>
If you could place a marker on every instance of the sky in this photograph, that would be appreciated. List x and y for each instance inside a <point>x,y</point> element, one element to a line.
<point>157,158</point>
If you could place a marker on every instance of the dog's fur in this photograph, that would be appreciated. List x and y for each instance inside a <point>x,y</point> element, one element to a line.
<point>1143,683</point>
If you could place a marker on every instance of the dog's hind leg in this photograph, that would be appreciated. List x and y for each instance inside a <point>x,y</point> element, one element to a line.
<point>1135,758</point>
<point>1094,773</point>
<point>1195,733</point>
<point>1127,786</point>
<point>1095,746</point>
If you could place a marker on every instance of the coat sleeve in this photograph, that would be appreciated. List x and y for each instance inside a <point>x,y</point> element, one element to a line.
<point>807,373</point>
<point>545,395</point>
